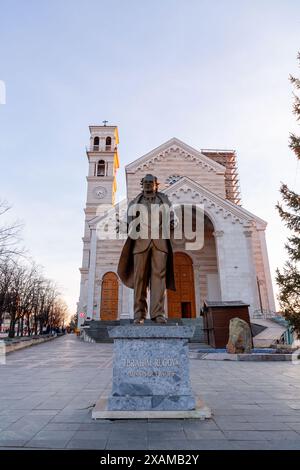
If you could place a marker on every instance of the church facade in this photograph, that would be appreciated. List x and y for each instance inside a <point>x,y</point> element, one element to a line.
<point>233,263</point>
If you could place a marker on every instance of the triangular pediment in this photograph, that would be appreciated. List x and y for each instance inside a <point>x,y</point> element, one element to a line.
<point>197,193</point>
<point>181,149</point>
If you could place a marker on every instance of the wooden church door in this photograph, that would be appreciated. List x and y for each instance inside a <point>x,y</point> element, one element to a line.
<point>109,297</point>
<point>181,303</point>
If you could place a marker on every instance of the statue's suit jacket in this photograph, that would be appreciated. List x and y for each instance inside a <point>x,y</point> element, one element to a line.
<point>125,267</point>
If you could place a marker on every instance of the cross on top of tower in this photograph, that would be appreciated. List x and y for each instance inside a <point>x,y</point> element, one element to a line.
<point>105,122</point>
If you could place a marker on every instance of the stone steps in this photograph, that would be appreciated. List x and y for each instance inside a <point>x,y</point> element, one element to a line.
<point>199,335</point>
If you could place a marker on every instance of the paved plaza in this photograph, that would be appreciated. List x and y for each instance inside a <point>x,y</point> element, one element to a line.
<point>47,392</point>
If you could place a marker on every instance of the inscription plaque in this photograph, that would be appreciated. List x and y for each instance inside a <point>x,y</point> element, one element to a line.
<point>151,368</point>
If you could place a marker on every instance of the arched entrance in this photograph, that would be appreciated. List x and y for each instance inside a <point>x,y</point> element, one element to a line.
<point>109,297</point>
<point>181,303</point>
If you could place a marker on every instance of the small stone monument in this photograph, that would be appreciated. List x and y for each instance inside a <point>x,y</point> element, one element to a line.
<point>240,337</point>
<point>151,376</point>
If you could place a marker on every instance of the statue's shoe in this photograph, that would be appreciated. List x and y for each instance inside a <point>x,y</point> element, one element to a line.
<point>161,320</point>
<point>138,321</point>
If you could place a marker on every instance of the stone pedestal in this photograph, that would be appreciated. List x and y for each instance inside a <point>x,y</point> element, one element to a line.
<point>151,374</point>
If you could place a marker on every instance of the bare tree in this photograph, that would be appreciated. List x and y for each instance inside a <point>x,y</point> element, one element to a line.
<point>9,234</point>
<point>31,301</point>
<point>6,276</point>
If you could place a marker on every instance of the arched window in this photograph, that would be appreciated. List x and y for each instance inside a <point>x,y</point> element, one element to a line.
<point>101,168</point>
<point>96,143</point>
<point>108,143</point>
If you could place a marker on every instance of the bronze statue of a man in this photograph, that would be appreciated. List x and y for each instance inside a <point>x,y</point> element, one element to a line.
<point>147,261</point>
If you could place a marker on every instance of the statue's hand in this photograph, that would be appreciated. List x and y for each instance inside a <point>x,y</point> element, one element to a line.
<point>174,221</point>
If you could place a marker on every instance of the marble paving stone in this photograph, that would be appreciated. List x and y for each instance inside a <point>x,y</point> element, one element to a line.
<point>61,427</point>
<point>261,435</point>
<point>200,425</point>
<point>236,426</point>
<point>294,426</point>
<point>118,433</point>
<point>6,421</point>
<point>253,445</point>
<point>45,435</point>
<point>33,413</point>
<point>230,419</point>
<point>16,435</point>
<point>95,426</point>
<point>84,444</point>
<point>94,435</point>
<point>272,426</point>
<point>168,445</point>
<point>284,445</point>
<point>75,417</point>
<point>166,426</point>
<point>205,434</point>
<point>207,444</point>
<point>12,443</point>
<point>272,418</point>
<point>121,444</point>
<point>169,435</point>
<point>47,444</point>
<point>129,425</point>
<point>37,420</point>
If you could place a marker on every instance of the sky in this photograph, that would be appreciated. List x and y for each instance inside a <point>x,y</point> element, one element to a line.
<point>212,73</point>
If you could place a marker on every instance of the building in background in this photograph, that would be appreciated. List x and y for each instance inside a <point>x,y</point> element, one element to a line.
<point>233,263</point>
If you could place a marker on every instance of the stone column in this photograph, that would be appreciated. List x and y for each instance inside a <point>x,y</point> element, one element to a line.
<point>126,303</point>
<point>92,272</point>
<point>98,288</point>
<point>252,272</point>
<point>265,259</point>
<point>197,293</point>
<point>219,241</point>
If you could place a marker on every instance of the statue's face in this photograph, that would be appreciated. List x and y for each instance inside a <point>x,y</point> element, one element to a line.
<point>149,186</point>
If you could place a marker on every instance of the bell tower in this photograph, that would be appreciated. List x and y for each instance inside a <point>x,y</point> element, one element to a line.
<point>103,162</point>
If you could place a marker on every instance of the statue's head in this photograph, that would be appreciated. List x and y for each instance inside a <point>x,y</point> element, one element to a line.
<point>149,184</point>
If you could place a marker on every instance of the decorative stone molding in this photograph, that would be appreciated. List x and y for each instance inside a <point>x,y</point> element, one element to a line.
<point>179,153</point>
<point>212,206</point>
<point>172,179</point>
